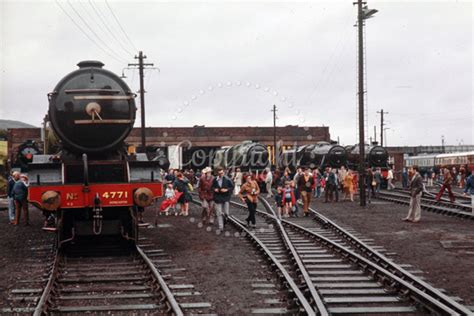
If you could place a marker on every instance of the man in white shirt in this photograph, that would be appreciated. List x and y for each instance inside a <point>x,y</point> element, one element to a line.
<point>390,185</point>
<point>268,183</point>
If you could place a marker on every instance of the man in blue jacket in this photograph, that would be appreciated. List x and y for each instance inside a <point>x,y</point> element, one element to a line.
<point>470,188</point>
<point>14,177</point>
<point>222,187</point>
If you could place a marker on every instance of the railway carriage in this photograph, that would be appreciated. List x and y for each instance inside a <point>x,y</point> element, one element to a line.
<point>436,162</point>
<point>424,162</point>
<point>92,185</point>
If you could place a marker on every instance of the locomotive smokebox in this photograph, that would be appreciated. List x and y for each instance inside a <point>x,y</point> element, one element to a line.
<point>92,110</point>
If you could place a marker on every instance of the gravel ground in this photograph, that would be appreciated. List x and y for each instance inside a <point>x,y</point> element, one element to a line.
<point>441,246</point>
<point>16,247</point>
<point>222,267</point>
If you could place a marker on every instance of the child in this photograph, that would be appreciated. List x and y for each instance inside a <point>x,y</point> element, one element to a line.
<point>169,194</point>
<point>278,200</point>
<point>288,199</point>
<point>296,196</point>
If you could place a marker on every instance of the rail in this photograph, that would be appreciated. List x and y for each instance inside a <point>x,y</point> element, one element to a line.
<point>384,276</point>
<point>173,305</point>
<point>42,306</point>
<point>45,300</point>
<point>288,279</point>
<point>321,308</point>
<point>389,265</point>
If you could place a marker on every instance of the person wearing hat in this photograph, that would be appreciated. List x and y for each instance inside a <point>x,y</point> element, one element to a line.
<point>206,195</point>
<point>15,176</point>
<point>20,196</point>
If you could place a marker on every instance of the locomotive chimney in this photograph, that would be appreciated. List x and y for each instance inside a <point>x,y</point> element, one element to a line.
<point>90,63</point>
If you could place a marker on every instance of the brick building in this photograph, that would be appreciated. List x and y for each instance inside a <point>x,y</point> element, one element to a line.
<point>198,136</point>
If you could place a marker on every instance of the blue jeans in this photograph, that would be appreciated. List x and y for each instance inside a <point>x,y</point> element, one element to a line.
<point>317,192</point>
<point>222,209</point>
<point>11,209</point>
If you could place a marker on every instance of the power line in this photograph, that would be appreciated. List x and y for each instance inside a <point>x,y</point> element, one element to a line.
<point>91,17</point>
<point>93,32</point>
<point>103,19</point>
<point>85,33</point>
<point>331,60</point>
<point>120,25</point>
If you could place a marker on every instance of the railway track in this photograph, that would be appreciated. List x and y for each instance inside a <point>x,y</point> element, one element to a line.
<point>296,301</point>
<point>118,282</point>
<point>99,280</point>
<point>340,274</point>
<point>429,203</point>
<point>107,280</point>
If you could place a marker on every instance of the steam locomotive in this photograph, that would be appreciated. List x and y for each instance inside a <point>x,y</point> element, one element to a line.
<point>92,184</point>
<point>375,156</point>
<point>25,154</point>
<point>319,155</point>
<point>248,156</point>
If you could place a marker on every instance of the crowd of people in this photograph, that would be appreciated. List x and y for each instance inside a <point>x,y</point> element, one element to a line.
<point>216,189</point>
<point>284,186</point>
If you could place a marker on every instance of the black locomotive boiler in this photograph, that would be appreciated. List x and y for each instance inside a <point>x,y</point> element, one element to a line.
<point>319,155</point>
<point>248,156</point>
<point>375,156</point>
<point>92,184</point>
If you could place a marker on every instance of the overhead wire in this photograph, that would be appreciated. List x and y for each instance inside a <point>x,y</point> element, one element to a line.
<point>121,59</point>
<point>336,52</point>
<point>120,25</point>
<point>86,34</point>
<point>104,21</point>
<point>92,18</point>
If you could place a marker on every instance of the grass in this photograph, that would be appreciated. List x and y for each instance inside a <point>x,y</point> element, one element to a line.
<point>3,152</point>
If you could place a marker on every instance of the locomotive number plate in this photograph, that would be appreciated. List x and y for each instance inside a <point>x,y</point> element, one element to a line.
<point>115,195</point>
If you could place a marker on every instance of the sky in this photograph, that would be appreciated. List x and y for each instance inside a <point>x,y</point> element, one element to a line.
<point>220,63</point>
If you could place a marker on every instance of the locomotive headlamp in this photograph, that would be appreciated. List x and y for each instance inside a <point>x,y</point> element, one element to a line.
<point>50,200</point>
<point>143,197</point>
<point>93,109</point>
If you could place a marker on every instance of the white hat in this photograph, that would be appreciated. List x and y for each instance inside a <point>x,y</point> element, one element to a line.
<point>206,170</point>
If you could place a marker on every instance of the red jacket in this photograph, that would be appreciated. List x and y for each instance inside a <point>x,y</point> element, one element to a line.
<point>205,188</point>
<point>283,197</point>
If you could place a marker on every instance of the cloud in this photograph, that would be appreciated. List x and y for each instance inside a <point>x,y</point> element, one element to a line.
<point>419,64</point>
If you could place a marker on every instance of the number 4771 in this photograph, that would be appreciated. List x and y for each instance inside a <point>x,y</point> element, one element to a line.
<point>115,194</point>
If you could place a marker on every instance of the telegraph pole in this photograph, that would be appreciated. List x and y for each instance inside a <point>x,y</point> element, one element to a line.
<point>141,65</point>
<point>275,161</point>
<point>363,13</point>
<point>360,26</point>
<point>381,125</point>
